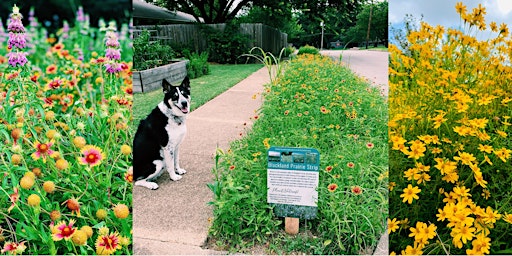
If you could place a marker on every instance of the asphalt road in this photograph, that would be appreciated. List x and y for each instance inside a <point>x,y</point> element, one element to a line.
<point>372,65</point>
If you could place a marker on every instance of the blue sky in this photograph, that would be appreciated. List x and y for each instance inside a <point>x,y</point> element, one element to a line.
<point>442,12</point>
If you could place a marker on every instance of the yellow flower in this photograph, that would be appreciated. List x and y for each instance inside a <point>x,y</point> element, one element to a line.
<point>461,191</point>
<point>88,231</point>
<point>417,149</point>
<point>508,218</point>
<point>481,245</point>
<point>34,200</point>
<point>465,158</point>
<point>463,233</point>
<point>413,250</point>
<point>410,193</point>
<point>79,237</point>
<point>126,150</point>
<point>27,182</point>
<point>61,164</point>
<point>392,225</point>
<point>503,154</point>
<point>265,143</point>
<point>49,187</point>
<point>101,214</point>
<point>491,216</point>
<point>485,148</point>
<point>121,211</point>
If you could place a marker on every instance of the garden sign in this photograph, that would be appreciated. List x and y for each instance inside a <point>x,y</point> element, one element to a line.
<point>292,181</point>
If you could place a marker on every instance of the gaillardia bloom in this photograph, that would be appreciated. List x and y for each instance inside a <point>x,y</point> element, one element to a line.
<point>107,244</point>
<point>14,248</point>
<point>63,231</point>
<point>92,155</point>
<point>43,150</point>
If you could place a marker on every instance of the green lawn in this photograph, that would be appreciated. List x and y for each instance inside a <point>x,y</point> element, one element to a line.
<point>205,88</point>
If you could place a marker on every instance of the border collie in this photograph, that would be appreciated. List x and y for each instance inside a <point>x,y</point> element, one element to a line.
<point>158,137</point>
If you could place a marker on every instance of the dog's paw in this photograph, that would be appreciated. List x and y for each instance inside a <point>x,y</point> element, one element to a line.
<point>175,177</point>
<point>147,184</point>
<point>181,171</point>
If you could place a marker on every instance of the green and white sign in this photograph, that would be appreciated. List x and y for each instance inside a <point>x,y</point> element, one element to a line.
<point>292,181</point>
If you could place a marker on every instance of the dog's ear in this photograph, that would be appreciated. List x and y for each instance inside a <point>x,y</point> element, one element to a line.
<point>166,86</point>
<point>186,83</point>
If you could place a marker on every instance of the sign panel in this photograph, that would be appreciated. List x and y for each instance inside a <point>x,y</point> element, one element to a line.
<point>292,181</point>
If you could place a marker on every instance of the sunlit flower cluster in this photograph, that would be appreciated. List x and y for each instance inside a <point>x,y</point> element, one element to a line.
<point>58,124</point>
<point>449,131</point>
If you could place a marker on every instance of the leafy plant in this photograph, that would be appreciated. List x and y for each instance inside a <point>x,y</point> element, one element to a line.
<point>198,65</point>
<point>308,50</point>
<point>225,46</point>
<point>274,65</point>
<point>149,54</point>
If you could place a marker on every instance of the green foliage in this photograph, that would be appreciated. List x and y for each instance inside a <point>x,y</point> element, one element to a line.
<point>198,64</point>
<point>149,54</point>
<point>273,64</point>
<point>226,46</point>
<point>288,51</point>
<point>308,50</point>
<point>378,25</point>
<point>278,15</point>
<point>315,103</point>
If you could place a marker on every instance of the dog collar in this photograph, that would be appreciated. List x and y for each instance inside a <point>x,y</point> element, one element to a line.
<point>169,114</point>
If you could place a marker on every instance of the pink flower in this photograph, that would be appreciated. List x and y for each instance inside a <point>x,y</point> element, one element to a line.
<point>42,151</point>
<point>14,198</point>
<point>63,231</point>
<point>14,248</point>
<point>17,40</point>
<point>92,155</point>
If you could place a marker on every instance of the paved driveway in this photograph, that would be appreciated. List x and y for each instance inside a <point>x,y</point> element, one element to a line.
<point>373,65</point>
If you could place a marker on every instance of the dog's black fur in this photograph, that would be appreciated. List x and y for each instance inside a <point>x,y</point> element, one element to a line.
<point>163,129</point>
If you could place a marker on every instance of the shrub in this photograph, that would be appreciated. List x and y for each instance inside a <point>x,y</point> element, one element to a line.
<point>226,46</point>
<point>450,147</point>
<point>308,50</point>
<point>198,65</point>
<point>149,54</point>
<point>289,51</point>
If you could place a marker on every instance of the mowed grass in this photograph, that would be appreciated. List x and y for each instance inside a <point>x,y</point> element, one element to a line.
<point>205,88</point>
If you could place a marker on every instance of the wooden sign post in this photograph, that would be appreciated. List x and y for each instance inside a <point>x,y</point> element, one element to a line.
<point>292,181</point>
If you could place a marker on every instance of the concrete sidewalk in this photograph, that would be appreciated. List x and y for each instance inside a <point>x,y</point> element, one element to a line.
<point>174,218</point>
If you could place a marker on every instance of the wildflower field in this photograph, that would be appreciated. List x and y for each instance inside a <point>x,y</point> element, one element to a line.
<point>65,105</point>
<point>320,104</point>
<point>450,146</point>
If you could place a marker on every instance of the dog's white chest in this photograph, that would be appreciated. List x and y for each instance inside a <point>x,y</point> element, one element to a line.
<point>176,132</point>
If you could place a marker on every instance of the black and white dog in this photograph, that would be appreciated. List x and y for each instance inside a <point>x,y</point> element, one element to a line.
<point>156,143</point>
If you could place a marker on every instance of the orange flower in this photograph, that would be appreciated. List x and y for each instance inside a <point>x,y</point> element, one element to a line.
<point>357,190</point>
<point>332,187</point>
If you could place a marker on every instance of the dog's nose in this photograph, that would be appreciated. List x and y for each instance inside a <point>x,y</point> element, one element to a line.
<point>184,103</point>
